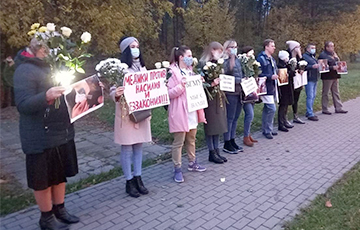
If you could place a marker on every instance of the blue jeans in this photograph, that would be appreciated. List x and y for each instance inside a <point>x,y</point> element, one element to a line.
<point>233,110</point>
<point>310,89</point>
<point>212,141</point>
<point>268,118</point>
<point>249,116</point>
<point>128,152</point>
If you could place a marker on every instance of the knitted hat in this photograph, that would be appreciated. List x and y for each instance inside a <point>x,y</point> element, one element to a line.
<point>292,44</point>
<point>283,55</point>
<point>126,42</point>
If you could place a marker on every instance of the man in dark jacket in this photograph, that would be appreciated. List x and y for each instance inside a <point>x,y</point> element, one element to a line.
<point>330,80</point>
<point>313,75</point>
<point>269,70</point>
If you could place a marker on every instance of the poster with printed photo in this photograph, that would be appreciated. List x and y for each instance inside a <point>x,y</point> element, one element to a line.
<point>323,66</point>
<point>262,90</point>
<point>283,77</point>
<point>84,97</point>
<point>341,67</point>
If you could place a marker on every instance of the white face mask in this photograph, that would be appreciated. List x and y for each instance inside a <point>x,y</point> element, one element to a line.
<point>135,52</point>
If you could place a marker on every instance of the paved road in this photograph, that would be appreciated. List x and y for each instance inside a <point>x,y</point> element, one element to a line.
<point>263,186</point>
<point>95,146</point>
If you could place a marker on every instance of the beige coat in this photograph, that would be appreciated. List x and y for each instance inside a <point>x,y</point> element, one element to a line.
<point>127,132</point>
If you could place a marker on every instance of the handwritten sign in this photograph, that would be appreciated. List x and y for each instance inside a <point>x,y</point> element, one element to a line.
<point>249,85</point>
<point>146,90</point>
<point>227,83</point>
<point>195,94</point>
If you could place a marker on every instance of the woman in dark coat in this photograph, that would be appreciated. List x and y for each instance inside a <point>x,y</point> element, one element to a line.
<point>215,113</point>
<point>286,92</point>
<point>47,136</point>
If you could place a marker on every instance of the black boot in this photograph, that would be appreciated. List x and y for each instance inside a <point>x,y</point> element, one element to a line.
<point>140,185</point>
<point>228,148</point>
<point>221,157</point>
<point>131,188</point>
<point>51,223</point>
<point>62,214</point>
<point>238,148</point>
<point>283,128</point>
<point>213,157</point>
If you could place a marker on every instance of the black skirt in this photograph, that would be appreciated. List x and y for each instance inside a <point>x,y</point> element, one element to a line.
<point>52,166</point>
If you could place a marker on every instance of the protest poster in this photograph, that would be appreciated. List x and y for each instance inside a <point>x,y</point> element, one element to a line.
<point>323,66</point>
<point>341,67</point>
<point>304,78</point>
<point>83,97</point>
<point>261,82</point>
<point>283,77</point>
<point>195,94</point>
<point>248,85</point>
<point>146,90</point>
<point>297,80</point>
<point>227,83</point>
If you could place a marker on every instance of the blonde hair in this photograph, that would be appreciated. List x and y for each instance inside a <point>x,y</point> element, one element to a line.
<point>207,55</point>
<point>226,45</point>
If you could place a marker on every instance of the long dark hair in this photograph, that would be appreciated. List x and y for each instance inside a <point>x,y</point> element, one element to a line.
<point>176,52</point>
<point>126,56</point>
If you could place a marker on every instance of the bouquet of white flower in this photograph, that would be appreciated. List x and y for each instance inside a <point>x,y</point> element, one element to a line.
<point>164,64</point>
<point>65,57</point>
<point>211,71</point>
<point>250,66</point>
<point>302,64</point>
<point>113,70</point>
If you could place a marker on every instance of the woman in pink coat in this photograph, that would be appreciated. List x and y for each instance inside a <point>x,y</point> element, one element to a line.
<point>128,134</point>
<point>181,122</point>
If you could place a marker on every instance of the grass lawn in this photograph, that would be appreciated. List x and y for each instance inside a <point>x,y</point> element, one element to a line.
<point>344,213</point>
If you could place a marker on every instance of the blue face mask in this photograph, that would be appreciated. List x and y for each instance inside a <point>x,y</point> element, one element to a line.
<point>188,61</point>
<point>233,51</point>
<point>313,51</point>
<point>135,52</point>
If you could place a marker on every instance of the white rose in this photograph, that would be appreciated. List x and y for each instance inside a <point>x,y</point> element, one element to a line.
<point>66,31</point>
<point>50,27</point>
<point>157,65</point>
<point>303,63</point>
<point>123,66</point>
<point>195,61</point>
<point>206,67</point>
<point>166,64</point>
<point>220,61</point>
<point>208,64</point>
<point>86,37</point>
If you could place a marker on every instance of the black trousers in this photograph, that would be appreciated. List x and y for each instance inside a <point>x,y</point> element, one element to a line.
<point>296,99</point>
<point>282,115</point>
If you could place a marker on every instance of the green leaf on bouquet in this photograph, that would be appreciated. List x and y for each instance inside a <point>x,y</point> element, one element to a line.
<point>79,69</point>
<point>61,56</point>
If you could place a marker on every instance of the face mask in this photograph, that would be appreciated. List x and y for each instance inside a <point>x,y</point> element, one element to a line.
<point>188,61</point>
<point>313,51</point>
<point>233,51</point>
<point>135,52</point>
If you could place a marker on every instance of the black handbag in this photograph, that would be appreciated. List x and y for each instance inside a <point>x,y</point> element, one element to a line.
<point>139,116</point>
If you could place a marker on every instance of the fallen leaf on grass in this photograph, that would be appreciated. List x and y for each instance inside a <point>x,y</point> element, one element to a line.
<point>328,204</point>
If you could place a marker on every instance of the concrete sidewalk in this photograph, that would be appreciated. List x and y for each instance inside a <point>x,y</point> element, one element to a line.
<point>263,186</point>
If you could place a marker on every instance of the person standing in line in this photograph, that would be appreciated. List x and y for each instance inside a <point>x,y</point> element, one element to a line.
<point>46,134</point>
<point>215,113</point>
<point>286,92</point>
<point>313,76</point>
<point>232,66</point>
<point>294,50</point>
<point>182,122</point>
<point>269,70</point>
<point>331,80</point>
<point>128,134</point>
<point>248,107</point>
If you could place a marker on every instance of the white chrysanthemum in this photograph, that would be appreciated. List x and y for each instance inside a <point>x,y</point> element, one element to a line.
<point>206,67</point>
<point>157,65</point>
<point>208,64</point>
<point>220,61</point>
<point>166,64</point>
<point>303,63</point>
